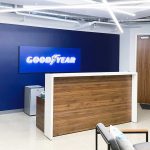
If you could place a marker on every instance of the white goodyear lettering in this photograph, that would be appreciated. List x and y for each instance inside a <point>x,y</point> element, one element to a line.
<point>29,60</point>
<point>72,59</point>
<point>36,60</point>
<point>56,58</point>
<point>48,60</point>
<point>42,60</point>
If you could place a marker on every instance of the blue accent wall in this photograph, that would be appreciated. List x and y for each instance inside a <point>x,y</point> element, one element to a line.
<point>99,53</point>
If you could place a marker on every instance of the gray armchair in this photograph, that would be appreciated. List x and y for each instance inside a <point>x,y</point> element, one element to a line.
<point>111,142</point>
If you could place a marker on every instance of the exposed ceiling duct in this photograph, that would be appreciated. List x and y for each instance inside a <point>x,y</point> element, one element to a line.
<point>56,18</point>
<point>136,20</point>
<point>6,6</point>
<point>83,19</point>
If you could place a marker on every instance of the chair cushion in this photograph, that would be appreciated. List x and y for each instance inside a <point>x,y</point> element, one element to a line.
<point>142,146</point>
<point>121,139</point>
<point>103,130</point>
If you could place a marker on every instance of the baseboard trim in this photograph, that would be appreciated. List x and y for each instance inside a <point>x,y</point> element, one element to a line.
<point>10,111</point>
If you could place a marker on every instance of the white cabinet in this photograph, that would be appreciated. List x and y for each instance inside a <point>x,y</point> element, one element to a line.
<point>31,92</point>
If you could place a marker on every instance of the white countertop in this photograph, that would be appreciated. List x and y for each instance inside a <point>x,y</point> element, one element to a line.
<point>90,74</point>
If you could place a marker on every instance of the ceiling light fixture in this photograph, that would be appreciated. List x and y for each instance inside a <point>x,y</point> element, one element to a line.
<point>112,15</point>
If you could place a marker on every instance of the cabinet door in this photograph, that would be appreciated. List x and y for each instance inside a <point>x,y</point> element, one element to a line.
<point>143,68</point>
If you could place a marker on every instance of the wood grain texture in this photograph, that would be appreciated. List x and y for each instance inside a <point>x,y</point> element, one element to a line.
<point>134,130</point>
<point>82,102</point>
<point>40,113</point>
<point>143,69</point>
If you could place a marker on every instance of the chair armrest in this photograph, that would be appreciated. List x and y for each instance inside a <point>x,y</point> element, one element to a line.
<point>136,131</point>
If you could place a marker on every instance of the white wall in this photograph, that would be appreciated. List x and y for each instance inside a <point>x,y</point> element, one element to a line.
<point>128,46</point>
<point>124,61</point>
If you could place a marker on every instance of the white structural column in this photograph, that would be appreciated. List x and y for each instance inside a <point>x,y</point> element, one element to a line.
<point>48,116</point>
<point>134,98</point>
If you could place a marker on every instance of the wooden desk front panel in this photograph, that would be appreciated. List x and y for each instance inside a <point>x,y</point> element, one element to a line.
<point>40,113</point>
<point>82,102</point>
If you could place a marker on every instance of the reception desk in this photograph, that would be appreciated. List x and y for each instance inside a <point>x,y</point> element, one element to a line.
<point>78,101</point>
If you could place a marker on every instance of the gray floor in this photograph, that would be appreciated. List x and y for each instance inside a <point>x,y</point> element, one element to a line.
<point>18,132</point>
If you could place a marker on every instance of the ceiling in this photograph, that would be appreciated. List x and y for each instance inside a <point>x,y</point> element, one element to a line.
<point>88,14</point>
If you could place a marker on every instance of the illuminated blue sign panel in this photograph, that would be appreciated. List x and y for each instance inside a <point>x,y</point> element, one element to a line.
<point>47,59</point>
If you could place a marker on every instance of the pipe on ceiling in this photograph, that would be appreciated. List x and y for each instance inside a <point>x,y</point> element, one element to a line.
<point>47,17</point>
